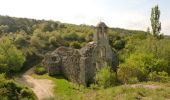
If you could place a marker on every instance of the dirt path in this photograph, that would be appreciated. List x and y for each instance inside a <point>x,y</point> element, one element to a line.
<point>149,86</point>
<point>41,87</point>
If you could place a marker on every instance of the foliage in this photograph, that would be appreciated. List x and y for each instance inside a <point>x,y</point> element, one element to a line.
<point>156,25</point>
<point>159,76</point>
<point>11,59</point>
<point>130,74</point>
<point>147,62</point>
<point>133,80</point>
<point>71,37</point>
<point>139,65</point>
<point>21,40</point>
<point>119,44</point>
<point>3,29</point>
<point>142,58</point>
<point>105,77</point>
<point>40,70</point>
<point>75,45</point>
<point>9,90</point>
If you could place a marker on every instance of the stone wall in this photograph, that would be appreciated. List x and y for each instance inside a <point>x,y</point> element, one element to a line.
<point>79,66</point>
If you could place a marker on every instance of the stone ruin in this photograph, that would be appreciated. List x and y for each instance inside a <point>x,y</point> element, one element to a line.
<point>80,66</point>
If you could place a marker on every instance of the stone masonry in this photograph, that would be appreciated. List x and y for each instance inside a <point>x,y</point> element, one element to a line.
<point>79,66</point>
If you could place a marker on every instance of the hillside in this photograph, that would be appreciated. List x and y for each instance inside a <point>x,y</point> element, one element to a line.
<point>143,69</point>
<point>13,24</point>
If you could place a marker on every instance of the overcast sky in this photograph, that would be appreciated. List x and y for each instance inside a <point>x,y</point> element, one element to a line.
<point>130,14</point>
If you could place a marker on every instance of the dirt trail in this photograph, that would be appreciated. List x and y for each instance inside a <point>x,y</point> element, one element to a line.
<point>149,86</point>
<point>41,87</point>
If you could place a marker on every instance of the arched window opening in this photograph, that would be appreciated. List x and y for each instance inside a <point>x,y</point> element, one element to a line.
<point>103,52</point>
<point>53,58</point>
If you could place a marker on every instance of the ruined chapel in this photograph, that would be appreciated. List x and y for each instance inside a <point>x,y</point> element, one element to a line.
<point>80,65</point>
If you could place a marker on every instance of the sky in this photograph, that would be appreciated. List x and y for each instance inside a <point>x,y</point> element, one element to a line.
<point>128,14</point>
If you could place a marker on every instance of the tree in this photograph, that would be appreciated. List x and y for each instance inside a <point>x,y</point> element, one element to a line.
<point>71,37</point>
<point>155,23</point>
<point>11,59</point>
<point>3,29</point>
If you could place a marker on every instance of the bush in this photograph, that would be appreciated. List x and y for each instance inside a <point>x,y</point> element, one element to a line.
<point>40,70</point>
<point>27,93</point>
<point>71,37</point>
<point>133,80</point>
<point>148,62</point>
<point>75,45</point>
<point>128,74</point>
<point>9,90</point>
<point>119,44</point>
<point>105,77</point>
<point>159,77</point>
<point>94,86</point>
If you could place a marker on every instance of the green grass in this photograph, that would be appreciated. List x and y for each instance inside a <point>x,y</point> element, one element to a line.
<point>129,93</point>
<point>65,90</point>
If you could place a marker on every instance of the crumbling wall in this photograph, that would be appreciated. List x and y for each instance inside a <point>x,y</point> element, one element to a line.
<point>68,64</point>
<point>79,66</point>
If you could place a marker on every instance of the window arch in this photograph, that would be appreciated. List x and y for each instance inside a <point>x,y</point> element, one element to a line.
<point>103,52</point>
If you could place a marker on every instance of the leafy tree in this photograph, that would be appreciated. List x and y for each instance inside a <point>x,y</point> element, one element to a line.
<point>37,42</point>
<point>3,29</point>
<point>56,40</point>
<point>21,40</point>
<point>71,37</point>
<point>45,27</point>
<point>11,59</point>
<point>89,37</point>
<point>155,23</point>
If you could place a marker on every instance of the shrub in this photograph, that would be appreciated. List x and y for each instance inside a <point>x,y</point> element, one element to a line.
<point>27,93</point>
<point>75,45</point>
<point>147,62</point>
<point>71,37</point>
<point>94,86</point>
<point>129,74</point>
<point>9,90</point>
<point>40,70</point>
<point>133,80</point>
<point>119,44</point>
<point>105,77</point>
<point>159,77</point>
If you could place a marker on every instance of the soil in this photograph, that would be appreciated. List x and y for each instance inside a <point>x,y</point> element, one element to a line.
<point>43,88</point>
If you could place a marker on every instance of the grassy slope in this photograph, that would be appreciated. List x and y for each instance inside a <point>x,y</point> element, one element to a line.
<point>65,90</point>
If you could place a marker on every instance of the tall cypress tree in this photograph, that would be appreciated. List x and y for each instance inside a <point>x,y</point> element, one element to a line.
<point>155,23</point>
